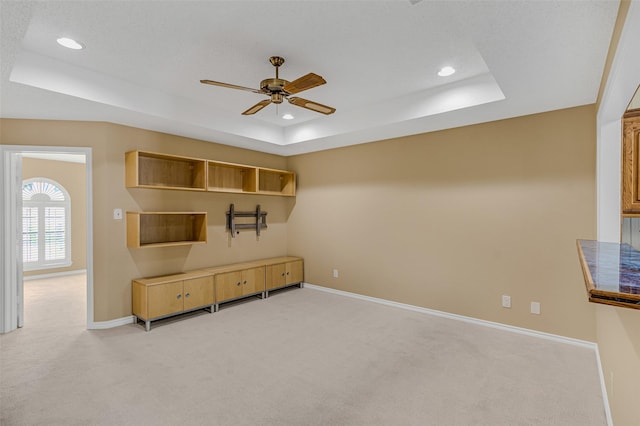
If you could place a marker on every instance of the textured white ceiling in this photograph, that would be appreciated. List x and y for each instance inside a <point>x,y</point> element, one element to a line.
<point>144,59</point>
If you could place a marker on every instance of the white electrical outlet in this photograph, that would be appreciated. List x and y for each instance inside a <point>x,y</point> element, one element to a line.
<point>535,308</point>
<point>335,273</point>
<point>117,214</point>
<point>506,301</point>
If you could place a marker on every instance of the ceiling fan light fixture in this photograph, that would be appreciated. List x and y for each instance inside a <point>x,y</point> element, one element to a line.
<point>288,116</point>
<point>446,71</point>
<point>279,89</point>
<point>70,43</point>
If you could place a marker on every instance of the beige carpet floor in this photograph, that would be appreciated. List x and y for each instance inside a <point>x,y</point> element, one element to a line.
<point>301,357</point>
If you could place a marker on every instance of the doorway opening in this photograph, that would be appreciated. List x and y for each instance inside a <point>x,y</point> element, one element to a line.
<point>47,232</point>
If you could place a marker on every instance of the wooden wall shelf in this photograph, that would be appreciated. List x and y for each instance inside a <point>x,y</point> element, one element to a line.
<point>162,171</point>
<point>162,229</point>
<point>276,182</point>
<point>228,177</point>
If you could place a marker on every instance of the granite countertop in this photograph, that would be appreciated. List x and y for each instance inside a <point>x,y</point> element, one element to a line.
<point>611,272</point>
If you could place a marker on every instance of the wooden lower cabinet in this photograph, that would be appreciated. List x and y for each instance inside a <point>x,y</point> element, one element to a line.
<point>237,284</point>
<point>198,292</point>
<point>284,274</point>
<point>163,300</point>
<point>160,297</point>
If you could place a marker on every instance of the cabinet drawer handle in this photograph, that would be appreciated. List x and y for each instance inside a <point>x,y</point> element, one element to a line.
<point>238,283</point>
<point>283,274</point>
<point>245,281</point>
<point>179,296</point>
<point>187,295</point>
<point>287,273</point>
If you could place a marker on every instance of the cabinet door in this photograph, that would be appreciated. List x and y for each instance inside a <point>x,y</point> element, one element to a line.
<point>631,165</point>
<point>294,272</point>
<point>228,286</point>
<point>165,299</point>
<point>253,280</point>
<point>198,292</point>
<point>275,276</point>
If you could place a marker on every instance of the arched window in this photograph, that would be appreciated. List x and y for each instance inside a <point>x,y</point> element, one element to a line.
<point>46,224</point>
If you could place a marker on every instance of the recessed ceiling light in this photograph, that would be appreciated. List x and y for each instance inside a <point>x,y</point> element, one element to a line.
<point>446,71</point>
<point>69,43</point>
<point>288,117</point>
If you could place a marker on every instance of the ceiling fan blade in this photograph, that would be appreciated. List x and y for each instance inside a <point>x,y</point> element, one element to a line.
<point>230,86</point>
<point>313,106</point>
<point>304,83</point>
<point>257,107</point>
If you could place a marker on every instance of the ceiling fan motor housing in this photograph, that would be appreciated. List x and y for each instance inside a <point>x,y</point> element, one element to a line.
<point>274,87</point>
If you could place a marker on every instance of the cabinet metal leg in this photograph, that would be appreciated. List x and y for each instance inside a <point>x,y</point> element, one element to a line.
<point>216,307</point>
<point>147,325</point>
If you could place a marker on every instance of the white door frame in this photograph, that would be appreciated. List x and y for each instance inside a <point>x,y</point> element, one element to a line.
<point>10,260</point>
<point>624,78</point>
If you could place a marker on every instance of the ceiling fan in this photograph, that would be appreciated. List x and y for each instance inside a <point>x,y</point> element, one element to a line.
<point>279,89</point>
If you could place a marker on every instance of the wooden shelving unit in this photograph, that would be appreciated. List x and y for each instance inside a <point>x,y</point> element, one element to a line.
<point>160,171</point>
<point>228,177</point>
<point>276,182</point>
<point>162,229</point>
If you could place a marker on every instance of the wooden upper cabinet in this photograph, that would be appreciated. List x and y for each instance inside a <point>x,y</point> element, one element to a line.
<point>631,162</point>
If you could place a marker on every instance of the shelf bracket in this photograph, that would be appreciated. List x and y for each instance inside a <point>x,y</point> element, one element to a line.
<point>259,216</point>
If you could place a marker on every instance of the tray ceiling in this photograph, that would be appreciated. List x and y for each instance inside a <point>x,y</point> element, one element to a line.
<point>143,60</point>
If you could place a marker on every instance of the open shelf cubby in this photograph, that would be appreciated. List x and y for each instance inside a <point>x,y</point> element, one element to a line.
<point>161,171</point>
<point>276,182</point>
<point>161,229</point>
<point>228,177</point>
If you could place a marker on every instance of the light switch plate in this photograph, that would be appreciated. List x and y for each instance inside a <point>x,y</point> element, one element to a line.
<point>117,214</point>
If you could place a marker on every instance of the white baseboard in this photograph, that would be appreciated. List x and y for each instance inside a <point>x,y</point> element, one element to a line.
<point>603,386</point>
<point>505,327</point>
<point>102,325</point>
<point>54,275</point>
<point>511,328</point>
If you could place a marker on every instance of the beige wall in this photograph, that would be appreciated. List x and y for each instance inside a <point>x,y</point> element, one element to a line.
<point>448,220</point>
<point>114,264</point>
<point>619,344</point>
<point>72,177</point>
<point>452,220</point>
